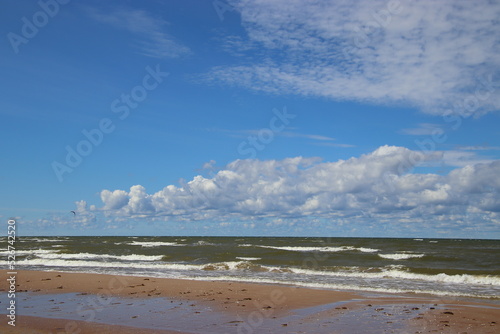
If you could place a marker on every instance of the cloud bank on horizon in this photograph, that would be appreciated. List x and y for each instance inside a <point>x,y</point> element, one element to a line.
<point>380,185</point>
<point>384,52</point>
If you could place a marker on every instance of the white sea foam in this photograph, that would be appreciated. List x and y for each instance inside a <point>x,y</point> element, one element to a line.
<point>248,258</point>
<point>40,240</point>
<point>401,274</point>
<point>444,278</point>
<point>335,286</point>
<point>237,266</point>
<point>401,256</point>
<point>138,257</point>
<point>85,256</point>
<point>88,261</point>
<point>367,250</point>
<point>322,249</point>
<point>32,252</point>
<point>154,243</point>
<point>99,264</point>
<point>204,243</point>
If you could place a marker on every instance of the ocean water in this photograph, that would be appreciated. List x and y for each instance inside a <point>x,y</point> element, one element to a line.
<point>443,267</point>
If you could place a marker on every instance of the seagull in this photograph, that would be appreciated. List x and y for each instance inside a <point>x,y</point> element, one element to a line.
<point>74,213</point>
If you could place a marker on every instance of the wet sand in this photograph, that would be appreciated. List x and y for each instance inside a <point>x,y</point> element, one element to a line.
<point>57,302</point>
<point>37,325</point>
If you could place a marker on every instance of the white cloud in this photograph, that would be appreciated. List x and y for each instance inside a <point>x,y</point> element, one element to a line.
<point>151,38</point>
<point>334,145</point>
<point>115,199</point>
<point>209,165</point>
<point>423,129</point>
<point>379,185</point>
<point>307,136</point>
<point>83,218</point>
<point>462,158</point>
<point>431,54</point>
<point>479,148</point>
<point>316,139</point>
<point>458,158</point>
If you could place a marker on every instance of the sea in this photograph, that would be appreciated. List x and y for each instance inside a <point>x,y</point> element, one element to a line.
<point>440,267</point>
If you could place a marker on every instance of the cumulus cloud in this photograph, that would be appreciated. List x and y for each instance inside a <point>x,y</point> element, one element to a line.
<point>380,184</point>
<point>83,218</point>
<point>436,55</point>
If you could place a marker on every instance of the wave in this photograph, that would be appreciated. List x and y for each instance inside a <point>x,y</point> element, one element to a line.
<point>367,250</point>
<point>151,262</point>
<point>236,266</point>
<point>204,243</point>
<point>322,249</point>
<point>84,256</point>
<point>248,258</point>
<point>88,262</point>
<point>53,254</point>
<point>340,286</point>
<point>401,274</point>
<point>401,256</point>
<point>356,272</point>
<point>230,266</point>
<point>66,263</point>
<point>31,252</point>
<point>154,243</point>
<point>41,240</point>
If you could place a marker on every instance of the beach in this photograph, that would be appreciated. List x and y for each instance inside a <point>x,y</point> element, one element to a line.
<point>249,285</point>
<point>62,302</point>
<point>442,267</point>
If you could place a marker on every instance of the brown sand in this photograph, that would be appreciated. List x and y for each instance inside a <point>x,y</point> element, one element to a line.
<point>256,308</point>
<point>437,315</point>
<point>222,295</point>
<point>459,318</point>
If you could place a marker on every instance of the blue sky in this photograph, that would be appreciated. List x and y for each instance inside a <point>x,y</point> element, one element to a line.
<point>373,118</point>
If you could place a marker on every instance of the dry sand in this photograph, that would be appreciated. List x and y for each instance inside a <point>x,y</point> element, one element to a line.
<point>60,302</point>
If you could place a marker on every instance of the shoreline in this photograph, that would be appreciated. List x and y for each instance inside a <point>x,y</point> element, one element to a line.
<point>189,305</point>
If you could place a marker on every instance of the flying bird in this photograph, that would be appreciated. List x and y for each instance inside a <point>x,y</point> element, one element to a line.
<point>74,213</point>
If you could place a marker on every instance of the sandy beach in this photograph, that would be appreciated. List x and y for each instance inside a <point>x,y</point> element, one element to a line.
<point>61,302</point>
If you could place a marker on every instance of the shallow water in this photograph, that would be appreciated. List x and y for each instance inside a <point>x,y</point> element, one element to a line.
<point>198,317</point>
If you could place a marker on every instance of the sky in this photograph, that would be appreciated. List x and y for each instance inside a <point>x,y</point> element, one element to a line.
<point>252,118</point>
